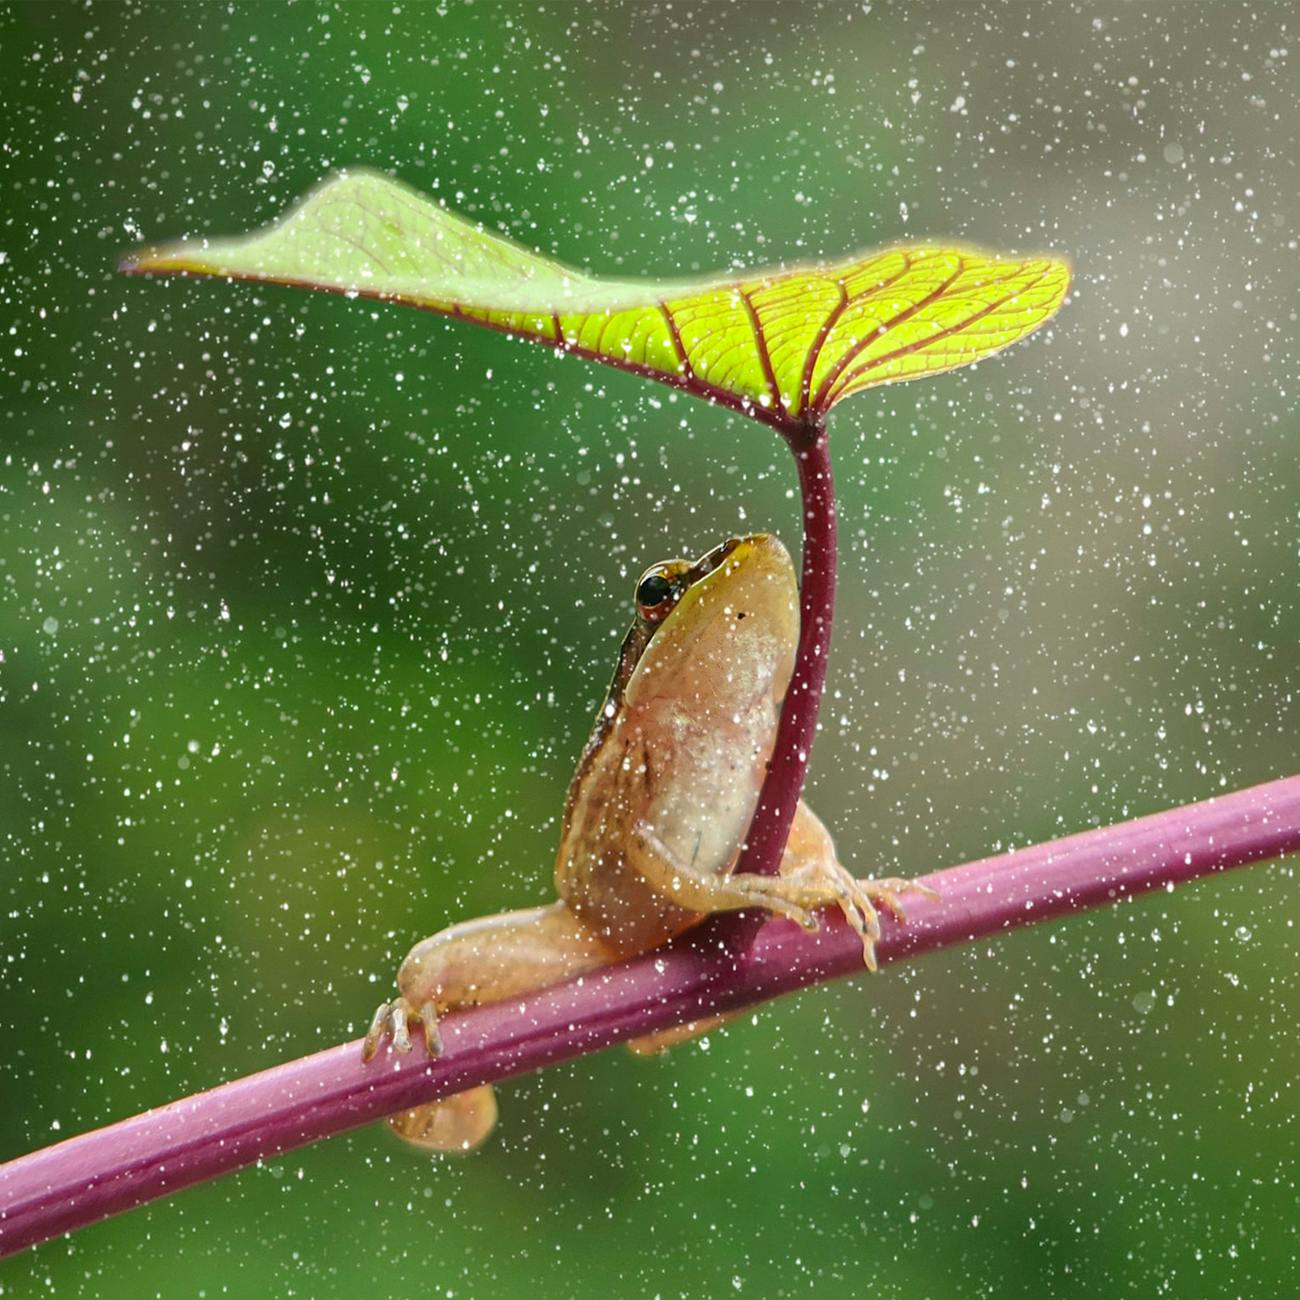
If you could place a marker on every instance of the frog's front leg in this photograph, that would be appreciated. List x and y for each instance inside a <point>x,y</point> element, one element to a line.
<point>697,890</point>
<point>484,960</point>
<point>811,878</point>
<point>810,873</point>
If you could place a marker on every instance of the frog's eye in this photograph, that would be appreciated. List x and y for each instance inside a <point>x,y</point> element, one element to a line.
<point>655,596</point>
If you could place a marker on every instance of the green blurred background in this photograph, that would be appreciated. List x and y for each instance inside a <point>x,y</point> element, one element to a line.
<point>306,605</point>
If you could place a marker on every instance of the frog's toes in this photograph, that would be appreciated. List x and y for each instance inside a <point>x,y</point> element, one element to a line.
<point>885,893</point>
<point>856,905</point>
<point>861,912</point>
<point>389,1020</point>
<point>859,900</point>
<point>394,1019</point>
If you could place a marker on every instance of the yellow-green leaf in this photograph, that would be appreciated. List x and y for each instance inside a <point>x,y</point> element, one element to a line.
<point>781,344</point>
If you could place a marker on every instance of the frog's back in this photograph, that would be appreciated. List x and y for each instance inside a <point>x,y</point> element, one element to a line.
<point>684,750</point>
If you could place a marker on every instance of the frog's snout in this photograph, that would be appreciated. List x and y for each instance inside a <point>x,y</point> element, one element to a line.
<point>757,550</point>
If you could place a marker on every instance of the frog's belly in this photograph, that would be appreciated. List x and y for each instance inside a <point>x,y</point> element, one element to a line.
<point>697,795</point>
<point>701,821</point>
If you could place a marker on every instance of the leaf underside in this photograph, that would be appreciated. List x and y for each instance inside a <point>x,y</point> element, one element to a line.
<point>781,344</point>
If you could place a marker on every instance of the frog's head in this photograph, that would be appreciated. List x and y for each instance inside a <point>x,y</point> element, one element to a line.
<point>725,625</point>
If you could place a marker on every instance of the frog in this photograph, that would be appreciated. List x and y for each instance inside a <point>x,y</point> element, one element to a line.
<point>654,822</point>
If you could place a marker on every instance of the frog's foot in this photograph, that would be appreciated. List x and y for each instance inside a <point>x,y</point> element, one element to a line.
<point>455,1124</point>
<point>885,893</point>
<point>394,1019</point>
<point>859,900</point>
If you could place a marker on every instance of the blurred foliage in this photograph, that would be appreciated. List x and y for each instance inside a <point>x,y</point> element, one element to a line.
<point>306,604</point>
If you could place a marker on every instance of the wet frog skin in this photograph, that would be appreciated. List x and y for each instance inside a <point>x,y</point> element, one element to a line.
<point>655,818</point>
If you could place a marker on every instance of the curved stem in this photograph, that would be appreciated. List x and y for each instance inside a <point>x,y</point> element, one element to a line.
<point>783,785</point>
<point>152,1155</point>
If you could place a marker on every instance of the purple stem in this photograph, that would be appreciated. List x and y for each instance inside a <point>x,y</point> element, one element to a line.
<point>783,783</point>
<point>152,1155</point>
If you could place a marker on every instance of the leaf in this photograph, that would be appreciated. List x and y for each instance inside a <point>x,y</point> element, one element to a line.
<point>781,344</point>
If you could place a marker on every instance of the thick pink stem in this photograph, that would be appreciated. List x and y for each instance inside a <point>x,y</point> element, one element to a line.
<point>783,784</point>
<point>152,1155</point>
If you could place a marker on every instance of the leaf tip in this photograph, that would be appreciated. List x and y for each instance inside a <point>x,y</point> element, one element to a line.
<point>132,262</point>
<point>156,259</point>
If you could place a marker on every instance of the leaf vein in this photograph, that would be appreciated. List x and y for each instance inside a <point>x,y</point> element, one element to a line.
<point>764,357</point>
<point>824,389</point>
<point>919,345</point>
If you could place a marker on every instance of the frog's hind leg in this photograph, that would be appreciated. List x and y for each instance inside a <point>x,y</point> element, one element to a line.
<point>811,877</point>
<point>480,961</point>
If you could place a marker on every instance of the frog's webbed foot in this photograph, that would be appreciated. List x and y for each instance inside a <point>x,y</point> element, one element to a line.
<point>394,1020</point>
